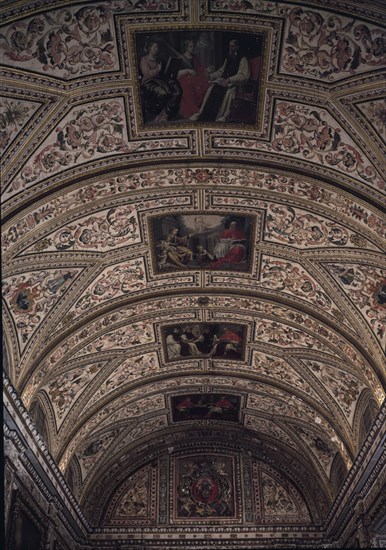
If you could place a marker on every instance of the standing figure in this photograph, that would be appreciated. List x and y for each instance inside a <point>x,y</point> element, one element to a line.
<point>194,81</point>
<point>161,95</point>
<point>218,99</point>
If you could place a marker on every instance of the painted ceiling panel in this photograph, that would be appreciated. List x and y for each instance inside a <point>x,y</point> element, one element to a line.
<point>171,279</point>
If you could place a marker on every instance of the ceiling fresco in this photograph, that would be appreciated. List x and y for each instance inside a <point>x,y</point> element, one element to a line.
<point>191,259</point>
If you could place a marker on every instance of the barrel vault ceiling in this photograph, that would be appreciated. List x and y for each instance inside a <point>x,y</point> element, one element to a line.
<point>91,185</point>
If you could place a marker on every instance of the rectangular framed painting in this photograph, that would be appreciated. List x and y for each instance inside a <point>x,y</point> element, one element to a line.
<point>207,406</point>
<point>225,341</point>
<point>201,241</point>
<point>198,76</point>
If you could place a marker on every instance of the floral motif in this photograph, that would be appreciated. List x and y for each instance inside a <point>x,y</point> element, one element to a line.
<point>67,44</point>
<point>247,6</point>
<point>88,132</point>
<point>92,451</point>
<point>277,368</point>
<point>134,410</point>
<point>123,408</point>
<point>112,228</point>
<point>119,185</point>
<point>135,500</point>
<point>13,116</point>
<point>262,425</point>
<point>375,112</point>
<point>324,46</point>
<point>145,427</point>
<point>311,134</point>
<point>292,278</point>
<point>134,368</point>
<point>278,403</point>
<point>65,389</point>
<point>125,337</point>
<point>286,336</point>
<point>344,387</point>
<point>124,278</point>
<point>72,43</point>
<point>366,287</point>
<point>298,228</point>
<point>32,296</point>
<point>324,452</point>
<point>277,501</point>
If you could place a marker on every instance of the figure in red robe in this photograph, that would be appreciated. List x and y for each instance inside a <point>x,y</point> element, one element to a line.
<point>230,249</point>
<point>194,81</point>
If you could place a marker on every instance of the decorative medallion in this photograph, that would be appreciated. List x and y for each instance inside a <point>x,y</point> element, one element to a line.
<point>205,488</point>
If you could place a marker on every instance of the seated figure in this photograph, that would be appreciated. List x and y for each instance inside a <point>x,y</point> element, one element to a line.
<point>218,99</point>
<point>161,95</point>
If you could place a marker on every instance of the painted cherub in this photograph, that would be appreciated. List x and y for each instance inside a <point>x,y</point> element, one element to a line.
<point>203,255</point>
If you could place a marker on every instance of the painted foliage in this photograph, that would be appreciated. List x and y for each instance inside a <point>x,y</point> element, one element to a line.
<point>32,296</point>
<point>310,133</point>
<point>200,75</point>
<point>205,407</point>
<point>135,500</point>
<point>114,281</point>
<point>65,389</point>
<point>323,449</point>
<point>69,43</point>
<point>366,287</point>
<point>375,112</point>
<point>289,221</point>
<point>113,228</point>
<point>90,131</point>
<point>204,488</point>
<point>324,46</point>
<point>344,387</point>
<point>292,278</point>
<point>279,369</point>
<point>92,451</point>
<point>133,368</point>
<point>202,241</point>
<point>200,340</point>
<point>277,500</point>
<point>124,337</point>
<point>14,115</point>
